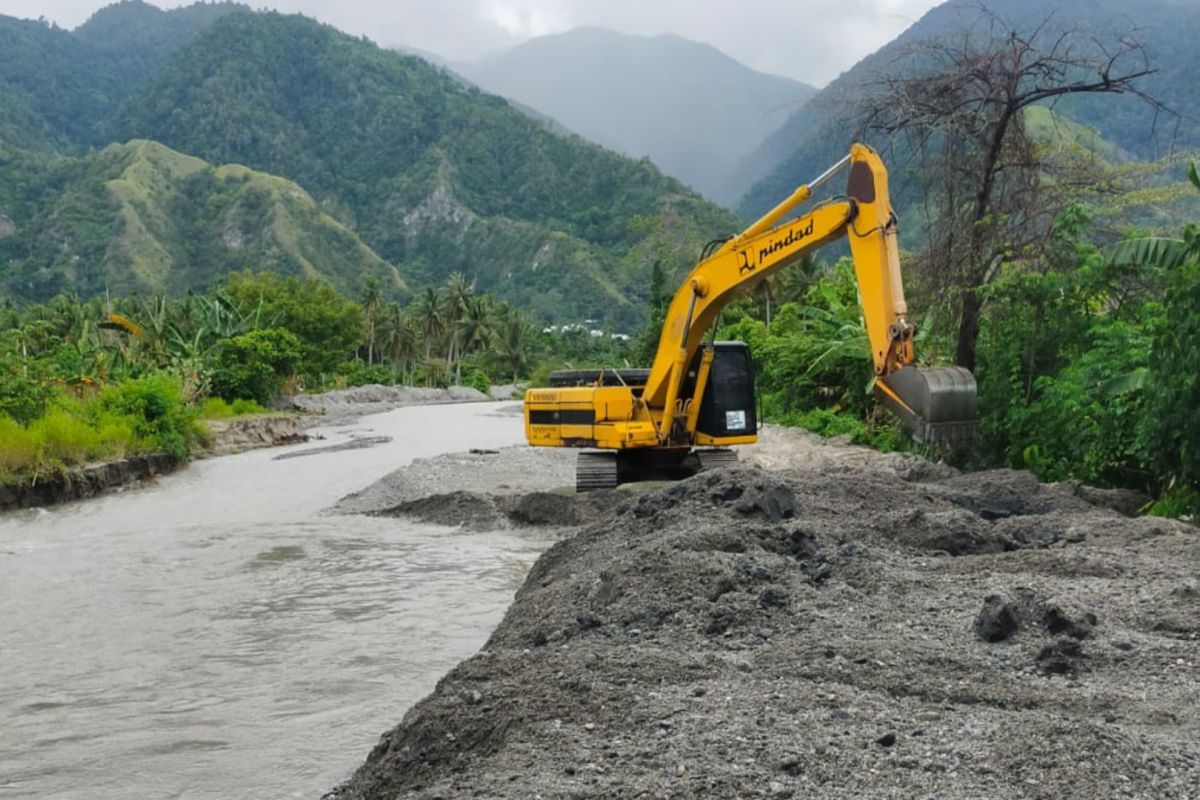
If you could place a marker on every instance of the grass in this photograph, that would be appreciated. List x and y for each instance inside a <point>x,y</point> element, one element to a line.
<point>216,408</point>
<point>145,415</point>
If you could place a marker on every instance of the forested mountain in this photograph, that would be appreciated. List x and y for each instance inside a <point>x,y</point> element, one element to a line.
<point>695,112</point>
<point>58,88</point>
<point>435,176</point>
<point>141,218</point>
<point>1168,30</point>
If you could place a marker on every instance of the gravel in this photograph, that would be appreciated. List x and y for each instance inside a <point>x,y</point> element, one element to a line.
<point>345,405</point>
<point>812,629</point>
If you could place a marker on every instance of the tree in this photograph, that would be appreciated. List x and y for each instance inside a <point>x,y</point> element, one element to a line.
<point>372,303</point>
<point>254,365</point>
<point>512,346</point>
<point>400,339</point>
<point>1169,433</point>
<point>456,295</point>
<point>962,115</point>
<point>428,312</point>
<point>329,326</point>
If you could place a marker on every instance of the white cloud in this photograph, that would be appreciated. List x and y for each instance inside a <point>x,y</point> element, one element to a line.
<point>812,40</point>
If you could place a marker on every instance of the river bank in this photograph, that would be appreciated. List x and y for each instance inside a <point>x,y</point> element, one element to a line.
<point>227,436</point>
<point>80,483</point>
<point>823,622</point>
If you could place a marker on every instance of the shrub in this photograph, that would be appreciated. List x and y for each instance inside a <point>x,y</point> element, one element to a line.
<point>156,413</point>
<point>357,373</point>
<point>218,408</point>
<point>18,450</point>
<point>1169,434</point>
<point>255,365</point>
<point>25,389</point>
<point>477,379</point>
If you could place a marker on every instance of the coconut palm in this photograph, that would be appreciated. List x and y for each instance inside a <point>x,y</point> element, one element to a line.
<point>455,296</point>
<point>427,309</point>
<point>474,329</point>
<point>512,345</point>
<point>372,303</point>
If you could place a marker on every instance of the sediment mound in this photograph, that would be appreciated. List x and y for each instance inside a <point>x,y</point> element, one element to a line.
<point>344,404</point>
<point>251,433</point>
<point>873,632</point>
<point>477,511</point>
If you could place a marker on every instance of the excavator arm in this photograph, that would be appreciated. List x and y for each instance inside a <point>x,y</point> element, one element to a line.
<point>936,404</point>
<point>697,394</point>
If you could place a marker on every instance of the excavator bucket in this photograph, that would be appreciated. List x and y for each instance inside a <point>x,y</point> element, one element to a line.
<point>937,404</point>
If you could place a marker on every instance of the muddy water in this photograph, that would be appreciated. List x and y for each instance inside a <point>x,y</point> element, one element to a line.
<point>215,636</point>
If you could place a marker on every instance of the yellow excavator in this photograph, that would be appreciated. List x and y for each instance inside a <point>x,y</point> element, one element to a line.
<point>697,399</point>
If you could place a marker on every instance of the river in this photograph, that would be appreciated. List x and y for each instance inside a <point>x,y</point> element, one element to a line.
<point>215,636</point>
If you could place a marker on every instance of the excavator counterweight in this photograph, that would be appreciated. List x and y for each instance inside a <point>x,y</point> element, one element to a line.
<point>697,399</point>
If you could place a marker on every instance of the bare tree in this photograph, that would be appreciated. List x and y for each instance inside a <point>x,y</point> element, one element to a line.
<point>959,111</point>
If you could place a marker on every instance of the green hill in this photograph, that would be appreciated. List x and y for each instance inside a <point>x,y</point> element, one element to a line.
<point>59,88</point>
<point>141,218</point>
<point>435,176</point>
<point>818,133</point>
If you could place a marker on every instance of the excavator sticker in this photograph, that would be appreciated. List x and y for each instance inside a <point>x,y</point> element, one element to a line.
<point>794,237</point>
<point>745,266</point>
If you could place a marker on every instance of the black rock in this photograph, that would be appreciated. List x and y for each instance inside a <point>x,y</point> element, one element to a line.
<point>1059,621</point>
<point>792,765</point>
<point>772,597</point>
<point>998,619</point>
<point>1060,657</point>
<point>887,740</point>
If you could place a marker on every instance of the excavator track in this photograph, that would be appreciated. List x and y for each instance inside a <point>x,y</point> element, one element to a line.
<point>594,471</point>
<point>716,458</point>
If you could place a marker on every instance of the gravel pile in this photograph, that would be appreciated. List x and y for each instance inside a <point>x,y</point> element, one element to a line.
<point>348,404</point>
<point>484,473</point>
<point>860,627</point>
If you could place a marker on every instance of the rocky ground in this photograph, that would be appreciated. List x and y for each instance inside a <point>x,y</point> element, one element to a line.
<point>823,622</point>
<point>250,433</point>
<point>345,405</point>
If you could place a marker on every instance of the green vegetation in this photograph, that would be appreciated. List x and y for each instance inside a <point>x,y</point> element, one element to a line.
<point>1087,368</point>
<point>407,175</point>
<point>141,415</point>
<point>88,380</point>
<point>435,177</point>
<point>141,218</point>
<point>64,86</point>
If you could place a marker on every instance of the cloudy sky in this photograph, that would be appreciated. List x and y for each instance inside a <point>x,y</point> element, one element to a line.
<point>812,40</point>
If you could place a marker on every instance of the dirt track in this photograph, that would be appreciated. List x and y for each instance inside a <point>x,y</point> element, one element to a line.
<point>848,625</point>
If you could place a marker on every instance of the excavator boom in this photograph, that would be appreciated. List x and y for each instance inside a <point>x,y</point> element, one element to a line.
<point>697,394</point>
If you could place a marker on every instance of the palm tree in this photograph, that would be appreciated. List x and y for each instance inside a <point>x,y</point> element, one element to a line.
<point>428,312</point>
<point>474,328</point>
<point>400,339</point>
<point>512,344</point>
<point>457,293</point>
<point>372,302</point>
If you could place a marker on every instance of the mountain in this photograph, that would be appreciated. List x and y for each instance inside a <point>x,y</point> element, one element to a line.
<point>818,133</point>
<point>58,88</point>
<point>141,218</point>
<point>435,176</point>
<point>693,111</point>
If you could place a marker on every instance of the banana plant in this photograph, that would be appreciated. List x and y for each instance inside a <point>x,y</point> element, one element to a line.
<point>1159,251</point>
